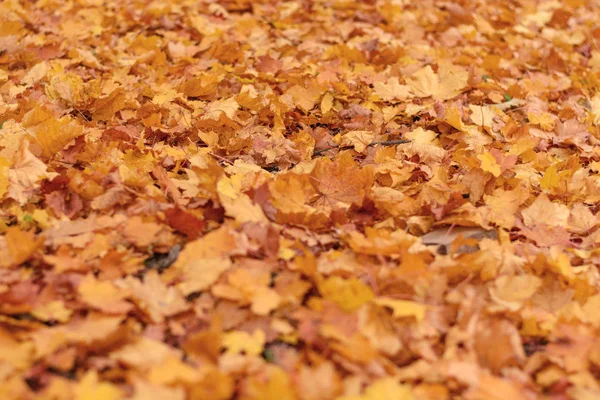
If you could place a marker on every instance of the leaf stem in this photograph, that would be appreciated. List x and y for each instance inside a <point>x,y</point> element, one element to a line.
<point>383,143</point>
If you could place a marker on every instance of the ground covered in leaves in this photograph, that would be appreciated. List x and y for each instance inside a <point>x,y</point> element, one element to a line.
<point>300,200</point>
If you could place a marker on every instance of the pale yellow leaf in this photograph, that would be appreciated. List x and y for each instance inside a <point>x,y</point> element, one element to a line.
<point>391,90</point>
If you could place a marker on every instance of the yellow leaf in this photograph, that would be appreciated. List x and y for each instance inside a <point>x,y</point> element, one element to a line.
<point>384,389</point>
<point>326,103</point>
<point>202,261</point>
<point>550,179</point>
<point>561,264</point>
<point>228,107</point>
<point>482,115</point>
<point>22,245</point>
<point>304,98</point>
<point>147,391</point>
<point>391,90</point>
<point>277,385</point>
<point>422,136</point>
<point>264,300</point>
<point>402,308</point>
<point>359,139</point>
<point>453,117</point>
<point>52,311</point>
<point>35,74</point>
<point>166,95</point>
<point>595,104</point>
<point>543,211</point>
<point>489,164</point>
<point>214,385</point>
<point>512,291</point>
<point>348,294</point>
<point>201,273</point>
<point>103,295</point>
<point>544,120</point>
<point>590,309</point>
<point>240,341</point>
<point>51,134</point>
<point>201,86</point>
<point>67,87</point>
<point>237,204</point>
<point>106,107</point>
<point>445,85</point>
<point>89,388</point>
<point>4,168</point>
<point>25,174</point>
<point>504,204</point>
<point>172,371</point>
<point>144,353</point>
<point>154,297</point>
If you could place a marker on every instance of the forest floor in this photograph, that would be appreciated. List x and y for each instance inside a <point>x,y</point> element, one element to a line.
<point>299,200</point>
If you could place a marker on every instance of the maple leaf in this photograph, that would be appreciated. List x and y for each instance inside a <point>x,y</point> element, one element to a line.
<point>222,185</point>
<point>90,388</point>
<point>504,204</point>
<point>200,86</point>
<point>321,382</point>
<point>106,107</point>
<point>391,90</point>
<point>359,139</point>
<point>147,391</point>
<point>276,385</point>
<point>154,297</point>
<point>543,211</point>
<point>402,308</point>
<point>341,183</point>
<point>489,164</point>
<point>103,295</point>
<point>374,325</point>
<point>238,205</point>
<point>349,294</point>
<point>204,260</point>
<point>217,108</point>
<point>382,389</point>
<point>448,83</point>
<point>240,341</point>
<point>27,170</point>
<point>595,104</point>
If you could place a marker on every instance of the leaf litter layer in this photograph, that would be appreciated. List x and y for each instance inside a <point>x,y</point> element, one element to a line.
<point>299,200</point>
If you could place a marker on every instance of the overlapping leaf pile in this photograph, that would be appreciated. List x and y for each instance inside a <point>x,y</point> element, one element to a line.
<point>305,200</point>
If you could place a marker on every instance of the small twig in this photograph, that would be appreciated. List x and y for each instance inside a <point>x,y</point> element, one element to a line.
<point>383,143</point>
<point>390,142</point>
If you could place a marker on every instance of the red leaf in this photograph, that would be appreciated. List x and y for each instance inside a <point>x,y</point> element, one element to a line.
<point>184,222</point>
